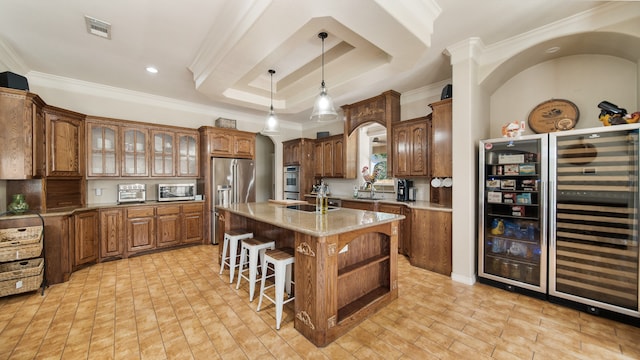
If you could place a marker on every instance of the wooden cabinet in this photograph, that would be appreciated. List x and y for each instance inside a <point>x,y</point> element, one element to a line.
<point>440,153</point>
<point>140,229</point>
<point>229,142</point>
<point>440,145</point>
<point>168,224</point>
<point>64,142</point>
<point>329,160</point>
<point>135,151</point>
<point>103,145</point>
<point>22,138</point>
<point>431,240</point>
<point>410,141</point>
<point>300,152</point>
<point>188,154</point>
<point>112,231</point>
<point>193,222</point>
<point>404,227</point>
<point>162,153</point>
<point>85,225</point>
<point>358,205</point>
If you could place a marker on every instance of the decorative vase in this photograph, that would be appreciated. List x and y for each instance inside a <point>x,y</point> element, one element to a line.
<point>18,205</point>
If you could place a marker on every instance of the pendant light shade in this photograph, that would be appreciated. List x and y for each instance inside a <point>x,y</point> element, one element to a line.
<point>271,125</point>
<point>323,109</point>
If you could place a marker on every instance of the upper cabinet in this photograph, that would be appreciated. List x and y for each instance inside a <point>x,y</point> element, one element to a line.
<point>440,147</point>
<point>162,153</point>
<point>410,146</point>
<point>329,157</point>
<point>22,121</point>
<point>135,151</point>
<point>292,151</point>
<point>64,143</point>
<point>120,148</point>
<point>188,154</point>
<point>221,142</point>
<point>102,143</point>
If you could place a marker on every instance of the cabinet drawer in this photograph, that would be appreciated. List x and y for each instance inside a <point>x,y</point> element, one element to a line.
<point>139,212</point>
<point>392,209</point>
<point>168,209</point>
<point>192,208</point>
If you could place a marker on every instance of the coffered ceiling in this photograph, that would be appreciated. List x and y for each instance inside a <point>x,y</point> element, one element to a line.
<point>218,52</point>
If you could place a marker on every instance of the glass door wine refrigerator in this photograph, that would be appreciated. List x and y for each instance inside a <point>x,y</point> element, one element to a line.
<point>512,249</point>
<point>593,234</point>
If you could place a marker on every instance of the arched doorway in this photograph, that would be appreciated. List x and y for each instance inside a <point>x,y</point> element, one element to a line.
<point>265,163</point>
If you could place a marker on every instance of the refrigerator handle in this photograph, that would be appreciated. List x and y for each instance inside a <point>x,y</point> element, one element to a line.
<point>546,195</point>
<point>550,214</point>
<point>234,189</point>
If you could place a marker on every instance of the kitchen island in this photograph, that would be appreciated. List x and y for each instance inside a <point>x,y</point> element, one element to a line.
<point>345,261</point>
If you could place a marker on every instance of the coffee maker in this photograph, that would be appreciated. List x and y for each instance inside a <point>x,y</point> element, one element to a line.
<point>404,187</point>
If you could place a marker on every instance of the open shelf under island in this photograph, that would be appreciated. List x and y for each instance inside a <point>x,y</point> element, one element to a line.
<point>345,261</point>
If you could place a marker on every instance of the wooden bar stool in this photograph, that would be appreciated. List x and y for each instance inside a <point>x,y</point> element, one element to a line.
<point>253,248</point>
<point>231,240</point>
<point>281,261</point>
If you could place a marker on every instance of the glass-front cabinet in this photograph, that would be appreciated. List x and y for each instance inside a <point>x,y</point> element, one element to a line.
<point>134,152</point>
<point>512,234</point>
<point>103,150</point>
<point>162,155</point>
<point>188,145</point>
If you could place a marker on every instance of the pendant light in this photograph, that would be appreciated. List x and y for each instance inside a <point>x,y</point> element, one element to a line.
<point>271,123</point>
<point>323,109</point>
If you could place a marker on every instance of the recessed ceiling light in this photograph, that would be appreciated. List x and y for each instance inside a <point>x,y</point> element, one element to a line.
<point>553,49</point>
<point>152,69</point>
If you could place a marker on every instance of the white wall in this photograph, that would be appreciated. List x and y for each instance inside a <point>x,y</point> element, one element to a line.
<point>585,80</point>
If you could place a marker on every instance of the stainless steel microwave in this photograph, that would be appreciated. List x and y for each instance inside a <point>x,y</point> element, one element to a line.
<point>176,192</point>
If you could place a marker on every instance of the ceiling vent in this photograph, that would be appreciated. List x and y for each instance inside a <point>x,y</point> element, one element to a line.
<point>98,27</point>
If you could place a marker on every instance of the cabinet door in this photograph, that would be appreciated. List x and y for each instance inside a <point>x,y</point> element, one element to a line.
<point>102,142</point>
<point>431,240</point>
<point>318,168</point>
<point>188,149</point>
<point>135,151</point>
<point>141,229</point>
<point>418,150</point>
<point>441,150</point>
<point>401,150</point>
<point>193,222</point>
<point>244,146</point>
<point>65,139</point>
<point>221,144</point>
<point>291,151</point>
<point>86,237</point>
<point>327,155</point>
<point>111,233</point>
<point>168,225</point>
<point>338,158</point>
<point>162,153</point>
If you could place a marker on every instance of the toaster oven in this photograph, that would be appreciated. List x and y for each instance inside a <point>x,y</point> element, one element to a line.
<point>132,193</point>
<point>176,192</point>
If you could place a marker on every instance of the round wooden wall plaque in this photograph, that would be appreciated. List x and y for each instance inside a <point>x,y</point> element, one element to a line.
<point>553,115</point>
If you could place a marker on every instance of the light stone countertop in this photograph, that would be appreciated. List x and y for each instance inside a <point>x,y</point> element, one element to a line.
<point>422,205</point>
<point>334,222</point>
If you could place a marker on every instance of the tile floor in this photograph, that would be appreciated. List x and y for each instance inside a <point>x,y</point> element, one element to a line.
<point>174,305</point>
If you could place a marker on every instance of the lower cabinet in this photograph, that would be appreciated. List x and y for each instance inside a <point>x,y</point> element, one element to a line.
<point>192,223</point>
<point>126,231</point>
<point>404,228</point>
<point>168,225</point>
<point>431,240</point>
<point>111,233</point>
<point>141,229</point>
<point>85,230</point>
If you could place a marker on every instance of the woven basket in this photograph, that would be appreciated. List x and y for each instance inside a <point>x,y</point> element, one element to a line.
<point>21,276</point>
<point>20,243</point>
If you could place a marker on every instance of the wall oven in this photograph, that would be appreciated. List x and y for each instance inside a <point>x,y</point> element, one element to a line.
<point>292,179</point>
<point>291,183</point>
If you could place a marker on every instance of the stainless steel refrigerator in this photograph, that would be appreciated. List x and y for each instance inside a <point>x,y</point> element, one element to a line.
<point>593,234</point>
<point>512,248</point>
<point>234,181</point>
